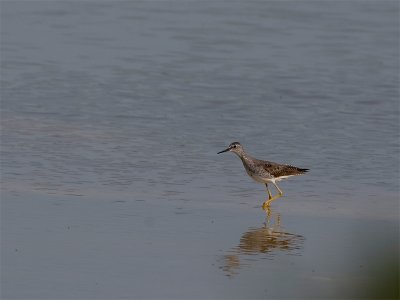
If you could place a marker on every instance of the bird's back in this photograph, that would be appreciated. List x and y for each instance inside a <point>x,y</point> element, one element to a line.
<point>278,170</point>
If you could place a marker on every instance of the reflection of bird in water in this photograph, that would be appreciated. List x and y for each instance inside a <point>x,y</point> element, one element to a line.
<point>264,171</point>
<point>266,240</point>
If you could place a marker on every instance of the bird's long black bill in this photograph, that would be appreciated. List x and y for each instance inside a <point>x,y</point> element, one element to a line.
<point>227,149</point>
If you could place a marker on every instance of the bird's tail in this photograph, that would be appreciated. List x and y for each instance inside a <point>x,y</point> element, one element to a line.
<point>302,171</point>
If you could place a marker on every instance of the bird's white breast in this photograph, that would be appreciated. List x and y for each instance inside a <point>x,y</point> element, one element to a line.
<point>255,177</point>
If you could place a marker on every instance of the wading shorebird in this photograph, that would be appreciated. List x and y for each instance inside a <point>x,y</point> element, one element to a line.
<point>264,171</point>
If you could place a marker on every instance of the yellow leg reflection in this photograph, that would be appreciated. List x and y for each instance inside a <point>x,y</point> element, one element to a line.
<point>269,215</point>
<point>261,242</point>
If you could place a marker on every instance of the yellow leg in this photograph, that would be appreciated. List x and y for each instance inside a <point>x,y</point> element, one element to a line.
<point>269,193</point>
<point>266,204</point>
<point>277,187</point>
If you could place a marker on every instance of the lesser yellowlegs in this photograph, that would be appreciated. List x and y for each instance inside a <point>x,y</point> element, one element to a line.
<point>264,171</point>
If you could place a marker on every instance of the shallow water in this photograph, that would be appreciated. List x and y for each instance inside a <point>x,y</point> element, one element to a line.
<point>112,115</point>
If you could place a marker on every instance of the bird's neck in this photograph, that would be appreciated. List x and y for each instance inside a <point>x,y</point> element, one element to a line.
<point>243,155</point>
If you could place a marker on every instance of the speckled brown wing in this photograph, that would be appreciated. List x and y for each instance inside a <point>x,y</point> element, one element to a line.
<point>278,170</point>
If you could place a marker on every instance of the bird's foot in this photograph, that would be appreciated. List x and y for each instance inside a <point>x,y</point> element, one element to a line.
<point>266,204</point>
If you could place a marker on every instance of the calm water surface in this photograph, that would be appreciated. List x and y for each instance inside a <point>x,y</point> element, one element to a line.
<point>111,117</point>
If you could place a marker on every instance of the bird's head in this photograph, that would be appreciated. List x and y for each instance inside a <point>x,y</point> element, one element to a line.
<point>235,147</point>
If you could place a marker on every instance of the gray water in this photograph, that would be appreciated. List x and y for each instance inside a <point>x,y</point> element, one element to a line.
<point>111,117</point>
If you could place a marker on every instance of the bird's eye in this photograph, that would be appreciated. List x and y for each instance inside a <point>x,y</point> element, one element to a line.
<point>234,146</point>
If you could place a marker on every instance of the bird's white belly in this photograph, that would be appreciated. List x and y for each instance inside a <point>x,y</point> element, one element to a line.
<point>258,178</point>
<point>266,180</point>
<point>283,177</point>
